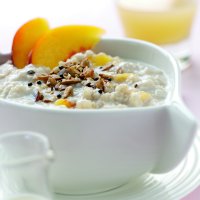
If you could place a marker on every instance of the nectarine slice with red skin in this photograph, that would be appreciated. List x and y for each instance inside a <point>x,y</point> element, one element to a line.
<point>62,42</point>
<point>25,39</point>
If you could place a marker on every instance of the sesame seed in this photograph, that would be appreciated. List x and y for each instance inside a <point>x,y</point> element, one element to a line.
<point>39,82</point>
<point>61,67</point>
<point>136,85</point>
<point>100,91</point>
<point>30,72</point>
<point>30,84</point>
<point>59,96</point>
<point>96,79</point>
<point>88,85</point>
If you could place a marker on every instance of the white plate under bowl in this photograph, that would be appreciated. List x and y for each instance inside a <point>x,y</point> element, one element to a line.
<point>170,186</point>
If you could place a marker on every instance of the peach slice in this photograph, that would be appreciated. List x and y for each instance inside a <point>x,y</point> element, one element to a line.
<point>100,59</point>
<point>25,38</point>
<point>62,42</point>
<point>65,102</point>
<point>121,77</point>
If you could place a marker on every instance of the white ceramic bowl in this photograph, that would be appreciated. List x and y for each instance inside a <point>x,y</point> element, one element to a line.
<point>97,150</point>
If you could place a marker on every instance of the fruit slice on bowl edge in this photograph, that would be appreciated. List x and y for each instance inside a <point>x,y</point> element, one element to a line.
<point>61,43</point>
<point>25,38</point>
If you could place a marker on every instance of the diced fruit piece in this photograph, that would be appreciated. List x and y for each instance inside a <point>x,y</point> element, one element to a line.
<point>65,102</point>
<point>62,42</point>
<point>100,59</point>
<point>145,96</point>
<point>121,77</point>
<point>25,38</point>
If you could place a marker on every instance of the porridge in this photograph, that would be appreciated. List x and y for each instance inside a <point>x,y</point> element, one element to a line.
<point>85,81</point>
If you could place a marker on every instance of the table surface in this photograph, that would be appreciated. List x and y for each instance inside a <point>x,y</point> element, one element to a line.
<point>100,13</point>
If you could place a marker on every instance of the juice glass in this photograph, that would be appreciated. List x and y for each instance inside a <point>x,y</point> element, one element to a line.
<point>164,22</point>
<point>157,21</point>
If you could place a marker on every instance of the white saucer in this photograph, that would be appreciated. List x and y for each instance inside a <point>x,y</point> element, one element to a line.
<point>170,186</point>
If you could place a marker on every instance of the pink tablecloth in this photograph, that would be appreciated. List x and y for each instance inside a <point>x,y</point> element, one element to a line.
<point>95,12</point>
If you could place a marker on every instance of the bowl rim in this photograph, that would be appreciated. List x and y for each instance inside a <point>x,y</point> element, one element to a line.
<point>174,95</point>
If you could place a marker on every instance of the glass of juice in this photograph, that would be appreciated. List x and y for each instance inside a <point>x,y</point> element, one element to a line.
<point>163,22</point>
<point>24,164</point>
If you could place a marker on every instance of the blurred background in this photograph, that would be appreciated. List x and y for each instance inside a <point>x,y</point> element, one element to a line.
<point>59,12</point>
<point>159,21</point>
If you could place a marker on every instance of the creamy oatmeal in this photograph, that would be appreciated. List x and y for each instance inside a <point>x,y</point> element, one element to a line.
<point>85,81</point>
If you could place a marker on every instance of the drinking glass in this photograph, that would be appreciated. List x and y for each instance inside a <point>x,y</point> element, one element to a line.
<point>24,164</point>
<point>164,22</point>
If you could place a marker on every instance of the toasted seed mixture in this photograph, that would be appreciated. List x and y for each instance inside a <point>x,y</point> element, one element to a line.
<point>85,81</point>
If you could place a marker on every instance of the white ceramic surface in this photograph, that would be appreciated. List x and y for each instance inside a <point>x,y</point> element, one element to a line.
<point>98,150</point>
<point>182,52</point>
<point>173,185</point>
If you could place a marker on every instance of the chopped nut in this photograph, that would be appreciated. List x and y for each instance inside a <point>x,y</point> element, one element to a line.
<point>85,63</point>
<point>55,70</point>
<point>51,82</point>
<point>47,101</point>
<point>69,64</point>
<point>100,84</point>
<point>80,69</point>
<point>120,71</point>
<point>57,86</point>
<point>88,73</point>
<point>67,76</point>
<point>70,81</point>
<point>73,71</point>
<point>62,87</point>
<point>39,97</point>
<point>43,78</point>
<point>56,77</point>
<point>68,92</point>
<point>107,67</point>
<point>105,76</point>
<point>61,72</point>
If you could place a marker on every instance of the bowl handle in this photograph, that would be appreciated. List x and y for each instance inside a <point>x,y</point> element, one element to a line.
<point>179,130</point>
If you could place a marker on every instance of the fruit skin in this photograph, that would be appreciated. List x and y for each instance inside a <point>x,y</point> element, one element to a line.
<point>25,39</point>
<point>62,42</point>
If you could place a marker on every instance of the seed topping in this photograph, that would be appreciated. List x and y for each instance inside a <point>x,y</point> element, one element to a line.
<point>30,72</point>
<point>62,80</point>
